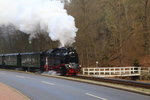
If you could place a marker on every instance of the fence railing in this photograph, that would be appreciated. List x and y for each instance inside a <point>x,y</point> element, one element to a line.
<point>112,71</point>
<point>145,69</point>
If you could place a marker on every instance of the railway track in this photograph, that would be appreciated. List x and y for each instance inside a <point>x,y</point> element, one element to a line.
<point>117,81</point>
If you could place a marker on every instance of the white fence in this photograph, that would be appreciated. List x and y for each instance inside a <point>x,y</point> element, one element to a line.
<point>112,71</point>
<point>145,69</point>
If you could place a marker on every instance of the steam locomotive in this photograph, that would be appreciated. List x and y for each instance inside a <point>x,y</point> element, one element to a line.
<point>62,60</point>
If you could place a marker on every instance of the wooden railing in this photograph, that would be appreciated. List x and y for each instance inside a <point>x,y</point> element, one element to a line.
<point>145,69</point>
<point>112,71</point>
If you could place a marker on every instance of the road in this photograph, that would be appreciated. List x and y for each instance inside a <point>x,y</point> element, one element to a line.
<point>47,88</point>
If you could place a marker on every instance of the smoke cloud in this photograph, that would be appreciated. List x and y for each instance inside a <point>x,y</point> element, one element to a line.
<point>45,15</point>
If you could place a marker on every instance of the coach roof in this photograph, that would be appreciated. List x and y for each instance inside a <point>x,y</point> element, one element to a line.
<point>30,53</point>
<point>11,54</point>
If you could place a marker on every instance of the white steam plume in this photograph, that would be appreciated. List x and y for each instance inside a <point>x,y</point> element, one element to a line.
<point>46,15</point>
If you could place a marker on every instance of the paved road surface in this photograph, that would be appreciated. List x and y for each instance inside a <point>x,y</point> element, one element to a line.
<point>47,88</point>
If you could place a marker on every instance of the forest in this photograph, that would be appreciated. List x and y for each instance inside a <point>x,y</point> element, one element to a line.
<point>111,32</point>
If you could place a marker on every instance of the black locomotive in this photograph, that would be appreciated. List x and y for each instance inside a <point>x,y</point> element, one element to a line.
<point>62,60</point>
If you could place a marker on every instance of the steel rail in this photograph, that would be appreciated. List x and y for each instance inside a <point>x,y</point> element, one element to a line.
<point>117,81</point>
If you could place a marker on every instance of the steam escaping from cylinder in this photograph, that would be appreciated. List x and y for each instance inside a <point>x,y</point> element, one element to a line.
<point>46,15</point>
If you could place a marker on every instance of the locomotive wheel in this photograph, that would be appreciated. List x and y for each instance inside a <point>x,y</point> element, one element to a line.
<point>63,70</point>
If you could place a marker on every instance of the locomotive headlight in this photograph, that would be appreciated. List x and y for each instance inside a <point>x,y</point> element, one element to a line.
<point>80,66</point>
<point>70,66</point>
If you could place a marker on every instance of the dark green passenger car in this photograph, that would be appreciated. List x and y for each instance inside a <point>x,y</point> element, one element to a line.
<point>11,59</point>
<point>31,61</point>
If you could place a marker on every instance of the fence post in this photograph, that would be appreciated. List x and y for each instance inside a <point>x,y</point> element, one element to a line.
<point>83,71</point>
<point>124,71</point>
<point>139,70</point>
<point>94,71</point>
<point>120,71</point>
<point>99,71</point>
<point>130,69</point>
<point>88,71</point>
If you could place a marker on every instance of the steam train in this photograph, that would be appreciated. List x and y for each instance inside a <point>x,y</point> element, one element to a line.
<point>61,60</point>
